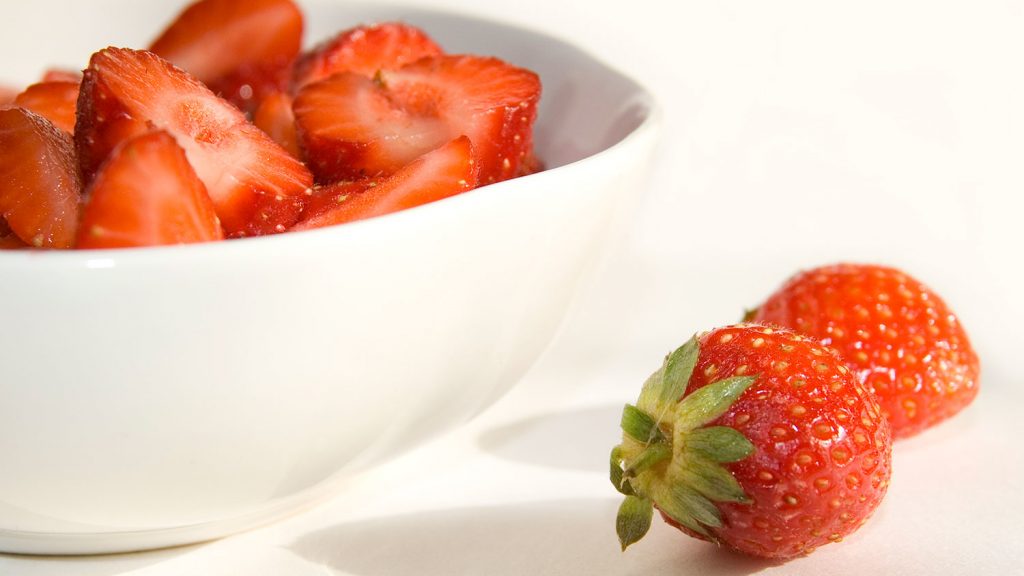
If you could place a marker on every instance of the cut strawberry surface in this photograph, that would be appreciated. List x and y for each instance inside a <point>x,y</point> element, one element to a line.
<point>365,50</point>
<point>352,126</point>
<point>256,186</point>
<point>39,185</point>
<point>55,100</point>
<point>147,194</point>
<point>275,117</point>
<point>441,173</point>
<point>241,49</point>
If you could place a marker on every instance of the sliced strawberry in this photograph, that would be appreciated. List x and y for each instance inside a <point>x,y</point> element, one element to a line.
<point>147,194</point>
<point>256,186</point>
<point>62,75</point>
<point>241,49</point>
<point>56,101</point>
<point>275,117</point>
<point>39,186</point>
<point>352,126</point>
<point>444,172</point>
<point>365,50</point>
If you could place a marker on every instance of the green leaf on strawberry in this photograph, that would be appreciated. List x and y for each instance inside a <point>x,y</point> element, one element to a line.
<point>669,459</point>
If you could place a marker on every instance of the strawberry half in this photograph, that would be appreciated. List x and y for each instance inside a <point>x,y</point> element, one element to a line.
<point>275,117</point>
<point>352,126</point>
<point>54,100</point>
<point>241,49</point>
<point>364,50</point>
<point>39,185</point>
<point>256,186</point>
<point>146,194</point>
<point>441,173</point>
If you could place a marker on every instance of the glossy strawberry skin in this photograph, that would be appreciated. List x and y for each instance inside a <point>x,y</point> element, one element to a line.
<point>364,50</point>
<point>436,175</point>
<point>353,127</point>
<point>822,458</point>
<point>242,49</point>
<point>897,335</point>
<point>54,100</point>
<point>39,184</point>
<point>146,194</point>
<point>256,185</point>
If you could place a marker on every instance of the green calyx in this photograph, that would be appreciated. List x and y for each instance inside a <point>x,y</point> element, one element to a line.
<point>670,458</point>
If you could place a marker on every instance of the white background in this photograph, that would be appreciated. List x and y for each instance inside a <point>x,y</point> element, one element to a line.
<point>795,134</point>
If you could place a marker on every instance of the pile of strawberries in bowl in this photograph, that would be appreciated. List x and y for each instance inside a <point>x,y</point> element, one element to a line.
<point>224,128</point>
<point>173,394</point>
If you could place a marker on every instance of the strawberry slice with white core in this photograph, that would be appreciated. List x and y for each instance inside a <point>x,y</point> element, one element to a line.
<point>256,186</point>
<point>146,194</point>
<point>352,126</point>
<point>39,186</point>
<point>444,172</point>
<point>55,100</point>
<point>365,50</point>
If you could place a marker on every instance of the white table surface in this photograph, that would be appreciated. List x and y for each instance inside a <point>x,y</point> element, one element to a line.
<point>796,134</point>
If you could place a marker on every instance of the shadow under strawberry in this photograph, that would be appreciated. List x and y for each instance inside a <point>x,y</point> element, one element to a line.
<point>555,538</point>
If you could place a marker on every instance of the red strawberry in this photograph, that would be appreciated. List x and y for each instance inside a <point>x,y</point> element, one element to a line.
<point>352,126</point>
<point>55,100</point>
<point>241,49</point>
<point>62,75</point>
<point>898,336</point>
<point>365,50</point>
<point>39,186</point>
<point>275,117</point>
<point>256,186</point>
<point>755,438</point>
<point>146,194</point>
<point>438,174</point>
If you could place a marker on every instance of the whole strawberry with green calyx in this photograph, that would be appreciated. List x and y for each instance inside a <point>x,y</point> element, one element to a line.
<point>755,438</point>
<point>898,336</point>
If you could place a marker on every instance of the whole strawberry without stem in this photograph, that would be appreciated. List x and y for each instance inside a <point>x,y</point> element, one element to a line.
<point>755,438</point>
<point>898,337</point>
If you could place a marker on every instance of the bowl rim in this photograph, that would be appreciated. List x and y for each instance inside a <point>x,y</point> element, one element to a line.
<point>641,99</point>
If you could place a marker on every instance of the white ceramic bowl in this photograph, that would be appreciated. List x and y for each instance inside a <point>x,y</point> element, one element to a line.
<point>156,397</point>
